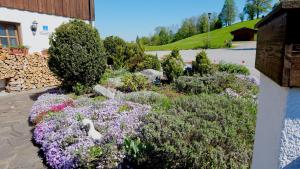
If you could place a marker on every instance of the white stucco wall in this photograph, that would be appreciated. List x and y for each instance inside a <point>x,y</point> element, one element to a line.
<point>277,137</point>
<point>40,41</point>
<point>269,124</point>
<point>290,138</point>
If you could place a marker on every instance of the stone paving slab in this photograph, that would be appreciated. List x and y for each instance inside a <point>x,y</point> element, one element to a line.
<point>16,149</point>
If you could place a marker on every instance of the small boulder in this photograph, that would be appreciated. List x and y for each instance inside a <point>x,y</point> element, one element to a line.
<point>100,90</point>
<point>152,74</point>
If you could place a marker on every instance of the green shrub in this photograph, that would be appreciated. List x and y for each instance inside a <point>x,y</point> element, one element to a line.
<point>216,83</point>
<point>202,64</point>
<point>234,68</point>
<point>134,57</point>
<point>115,49</point>
<point>77,54</point>
<point>150,62</point>
<point>80,89</point>
<point>173,65</point>
<point>205,131</point>
<point>134,82</point>
<point>196,84</point>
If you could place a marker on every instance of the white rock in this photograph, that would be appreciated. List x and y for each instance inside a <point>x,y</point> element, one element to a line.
<point>100,90</point>
<point>152,74</point>
<point>93,133</point>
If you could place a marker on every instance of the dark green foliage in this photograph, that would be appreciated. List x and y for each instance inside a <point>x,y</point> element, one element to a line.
<point>202,65</point>
<point>205,131</point>
<point>134,82</point>
<point>134,57</point>
<point>259,6</point>
<point>77,54</point>
<point>173,65</point>
<point>129,55</point>
<point>249,10</point>
<point>134,147</point>
<point>234,68</point>
<point>80,89</point>
<point>115,48</point>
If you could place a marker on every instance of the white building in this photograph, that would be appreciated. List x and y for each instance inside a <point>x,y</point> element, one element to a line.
<point>30,22</point>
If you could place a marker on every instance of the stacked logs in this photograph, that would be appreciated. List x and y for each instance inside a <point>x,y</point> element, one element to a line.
<point>25,72</point>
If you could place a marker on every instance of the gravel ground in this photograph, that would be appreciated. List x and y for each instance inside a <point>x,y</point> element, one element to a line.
<point>242,53</point>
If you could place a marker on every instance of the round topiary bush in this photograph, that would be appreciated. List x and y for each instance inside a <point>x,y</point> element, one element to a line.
<point>77,54</point>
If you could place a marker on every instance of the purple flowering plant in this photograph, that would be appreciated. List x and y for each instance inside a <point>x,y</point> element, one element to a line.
<point>65,141</point>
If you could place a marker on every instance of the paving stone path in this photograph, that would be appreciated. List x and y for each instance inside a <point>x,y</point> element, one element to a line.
<point>16,149</point>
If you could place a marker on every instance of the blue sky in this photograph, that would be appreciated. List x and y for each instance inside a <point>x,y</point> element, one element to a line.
<point>129,18</point>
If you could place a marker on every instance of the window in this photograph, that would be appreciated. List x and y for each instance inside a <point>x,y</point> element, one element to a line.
<point>8,35</point>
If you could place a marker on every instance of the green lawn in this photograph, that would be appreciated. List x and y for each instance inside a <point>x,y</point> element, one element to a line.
<point>217,38</point>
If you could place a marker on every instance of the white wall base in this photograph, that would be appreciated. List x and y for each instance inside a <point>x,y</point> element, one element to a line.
<point>277,138</point>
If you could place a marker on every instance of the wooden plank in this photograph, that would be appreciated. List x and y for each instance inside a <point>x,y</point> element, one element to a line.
<point>271,49</point>
<point>80,9</point>
<point>51,7</point>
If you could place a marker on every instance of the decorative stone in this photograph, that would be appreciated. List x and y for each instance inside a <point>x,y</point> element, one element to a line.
<point>152,74</point>
<point>100,90</point>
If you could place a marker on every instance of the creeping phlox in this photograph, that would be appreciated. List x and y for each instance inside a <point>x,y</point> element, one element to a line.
<point>64,139</point>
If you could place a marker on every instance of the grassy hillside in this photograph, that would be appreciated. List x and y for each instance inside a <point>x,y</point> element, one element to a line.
<point>217,38</point>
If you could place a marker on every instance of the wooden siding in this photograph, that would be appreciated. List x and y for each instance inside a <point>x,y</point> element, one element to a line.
<point>271,48</point>
<point>80,9</point>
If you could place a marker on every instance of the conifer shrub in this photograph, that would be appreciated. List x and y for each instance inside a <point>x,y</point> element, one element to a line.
<point>77,54</point>
<point>234,68</point>
<point>173,65</point>
<point>115,49</point>
<point>202,64</point>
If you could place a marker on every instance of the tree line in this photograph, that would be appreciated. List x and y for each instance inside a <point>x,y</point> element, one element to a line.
<point>201,24</point>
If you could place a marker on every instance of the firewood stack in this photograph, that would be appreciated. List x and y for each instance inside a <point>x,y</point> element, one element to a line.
<point>25,72</point>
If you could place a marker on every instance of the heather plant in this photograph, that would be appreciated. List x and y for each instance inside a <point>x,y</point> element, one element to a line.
<point>134,82</point>
<point>234,68</point>
<point>204,131</point>
<point>154,99</point>
<point>216,83</point>
<point>173,65</point>
<point>196,84</point>
<point>77,54</point>
<point>202,64</point>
